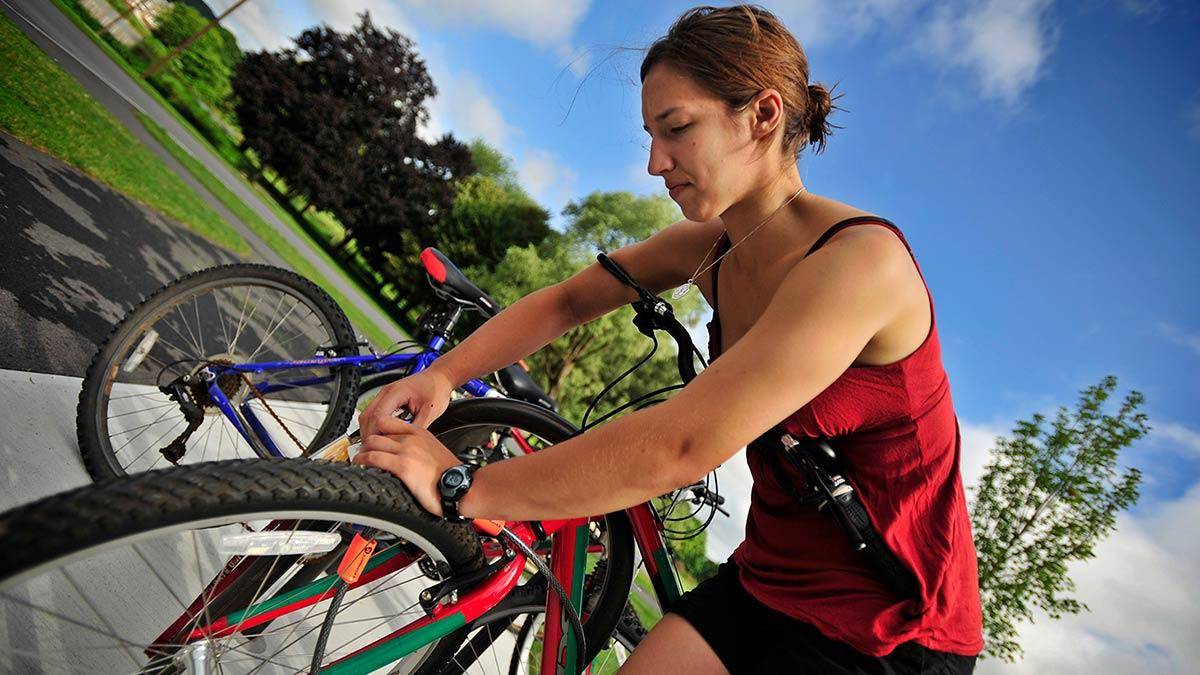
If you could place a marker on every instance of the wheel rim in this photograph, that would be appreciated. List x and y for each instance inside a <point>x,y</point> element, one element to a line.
<point>101,609</point>
<point>223,321</point>
<point>479,441</point>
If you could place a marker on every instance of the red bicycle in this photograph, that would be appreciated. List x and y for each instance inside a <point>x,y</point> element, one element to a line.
<point>293,565</point>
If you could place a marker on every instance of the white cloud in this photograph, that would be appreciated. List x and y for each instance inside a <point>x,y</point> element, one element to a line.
<point>545,176</point>
<point>977,443</point>
<point>817,23</point>
<point>1169,330</point>
<point>342,15</point>
<point>1003,44</point>
<point>1143,587</point>
<point>1178,437</point>
<point>546,23</point>
<point>261,25</point>
<point>724,534</point>
<point>465,107</point>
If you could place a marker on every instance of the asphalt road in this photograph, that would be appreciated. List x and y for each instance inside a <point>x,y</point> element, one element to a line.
<point>78,256</point>
<point>54,33</point>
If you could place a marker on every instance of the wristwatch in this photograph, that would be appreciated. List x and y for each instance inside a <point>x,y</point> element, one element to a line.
<point>453,484</point>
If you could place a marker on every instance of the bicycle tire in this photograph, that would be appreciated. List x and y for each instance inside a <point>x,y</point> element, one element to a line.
<point>124,341</point>
<point>612,595</point>
<point>82,526</point>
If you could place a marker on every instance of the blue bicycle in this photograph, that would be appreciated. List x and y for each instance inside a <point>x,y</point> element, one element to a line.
<point>250,360</point>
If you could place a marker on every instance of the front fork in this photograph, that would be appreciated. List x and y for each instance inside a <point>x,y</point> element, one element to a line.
<point>568,559</point>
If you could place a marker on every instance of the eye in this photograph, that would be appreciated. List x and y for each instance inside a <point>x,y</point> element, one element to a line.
<point>680,129</point>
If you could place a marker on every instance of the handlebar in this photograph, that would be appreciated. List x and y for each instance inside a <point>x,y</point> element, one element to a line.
<point>654,313</point>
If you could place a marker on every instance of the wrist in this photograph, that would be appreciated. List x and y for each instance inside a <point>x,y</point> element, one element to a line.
<point>443,374</point>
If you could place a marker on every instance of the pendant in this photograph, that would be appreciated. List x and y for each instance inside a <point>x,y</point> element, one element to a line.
<point>682,290</point>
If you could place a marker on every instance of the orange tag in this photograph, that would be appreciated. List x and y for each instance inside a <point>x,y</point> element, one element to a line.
<point>491,527</point>
<point>356,558</point>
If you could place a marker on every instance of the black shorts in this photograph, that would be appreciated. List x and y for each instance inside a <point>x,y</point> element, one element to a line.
<point>750,637</point>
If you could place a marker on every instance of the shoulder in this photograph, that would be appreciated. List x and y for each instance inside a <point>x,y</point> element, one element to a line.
<point>867,246</point>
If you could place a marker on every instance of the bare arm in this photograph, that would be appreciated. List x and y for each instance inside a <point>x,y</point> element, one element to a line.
<point>533,321</point>
<point>820,319</point>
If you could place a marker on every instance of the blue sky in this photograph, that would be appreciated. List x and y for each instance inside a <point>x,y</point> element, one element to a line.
<point>1043,159</point>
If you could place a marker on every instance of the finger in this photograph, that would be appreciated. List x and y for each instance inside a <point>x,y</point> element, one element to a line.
<point>395,426</point>
<point>380,409</point>
<point>382,460</point>
<point>380,443</point>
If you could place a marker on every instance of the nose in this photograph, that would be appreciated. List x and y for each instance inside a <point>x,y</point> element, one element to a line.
<point>660,161</point>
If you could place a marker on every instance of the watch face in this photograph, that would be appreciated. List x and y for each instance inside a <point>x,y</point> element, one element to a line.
<point>454,479</point>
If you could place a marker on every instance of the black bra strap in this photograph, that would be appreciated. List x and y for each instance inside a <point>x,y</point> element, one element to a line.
<point>722,247</point>
<point>843,224</point>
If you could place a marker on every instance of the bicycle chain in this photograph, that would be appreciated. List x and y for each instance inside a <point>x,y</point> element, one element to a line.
<point>258,395</point>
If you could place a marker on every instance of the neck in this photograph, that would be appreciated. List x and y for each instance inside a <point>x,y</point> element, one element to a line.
<point>742,217</point>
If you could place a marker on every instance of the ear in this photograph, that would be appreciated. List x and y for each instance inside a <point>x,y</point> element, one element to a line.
<point>766,113</point>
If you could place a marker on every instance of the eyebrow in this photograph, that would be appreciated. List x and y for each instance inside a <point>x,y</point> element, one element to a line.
<point>662,116</point>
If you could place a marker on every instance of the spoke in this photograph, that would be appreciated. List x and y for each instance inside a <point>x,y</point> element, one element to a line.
<point>188,328</point>
<point>238,333</point>
<point>150,446</point>
<point>199,323</point>
<point>271,332</point>
<point>143,430</point>
<point>220,315</point>
<point>270,321</point>
<point>73,622</point>
<point>492,641</point>
<point>142,410</point>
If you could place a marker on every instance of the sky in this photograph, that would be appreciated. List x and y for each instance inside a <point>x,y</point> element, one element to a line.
<point>1042,158</point>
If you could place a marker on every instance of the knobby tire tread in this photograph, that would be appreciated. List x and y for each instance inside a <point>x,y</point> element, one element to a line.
<point>99,461</point>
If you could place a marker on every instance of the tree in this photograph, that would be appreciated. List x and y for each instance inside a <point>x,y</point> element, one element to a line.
<point>576,366</point>
<point>337,117</point>
<point>1046,497</point>
<point>491,212</point>
<point>205,65</point>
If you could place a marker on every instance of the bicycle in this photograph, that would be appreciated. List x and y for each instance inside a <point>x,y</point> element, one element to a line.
<point>256,361</point>
<point>272,541</point>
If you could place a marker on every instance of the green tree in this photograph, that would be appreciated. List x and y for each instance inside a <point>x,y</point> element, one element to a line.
<point>491,212</point>
<point>1046,497</point>
<point>576,366</point>
<point>205,65</point>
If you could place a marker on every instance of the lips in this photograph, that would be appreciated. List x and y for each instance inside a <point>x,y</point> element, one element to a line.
<point>676,188</point>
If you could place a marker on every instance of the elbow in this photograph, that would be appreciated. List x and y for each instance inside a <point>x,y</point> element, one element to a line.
<point>685,465</point>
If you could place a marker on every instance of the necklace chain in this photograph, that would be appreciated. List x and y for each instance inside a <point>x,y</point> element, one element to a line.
<point>682,290</point>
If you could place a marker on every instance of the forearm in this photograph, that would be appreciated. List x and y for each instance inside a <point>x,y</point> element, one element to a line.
<point>519,330</point>
<point>611,467</point>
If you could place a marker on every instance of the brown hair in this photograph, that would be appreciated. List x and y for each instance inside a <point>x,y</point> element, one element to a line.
<point>736,52</point>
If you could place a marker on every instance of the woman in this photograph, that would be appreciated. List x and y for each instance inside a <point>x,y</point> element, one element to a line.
<point>821,320</point>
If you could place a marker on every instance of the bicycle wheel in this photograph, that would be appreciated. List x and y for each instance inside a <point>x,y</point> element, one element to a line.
<point>137,574</point>
<point>510,642</point>
<point>486,429</point>
<point>127,423</point>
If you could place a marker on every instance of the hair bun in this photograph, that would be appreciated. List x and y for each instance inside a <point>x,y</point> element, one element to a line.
<point>820,104</point>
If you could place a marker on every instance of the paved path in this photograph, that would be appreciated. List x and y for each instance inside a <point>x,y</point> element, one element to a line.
<point>108,84</point>
<point>78,256</point>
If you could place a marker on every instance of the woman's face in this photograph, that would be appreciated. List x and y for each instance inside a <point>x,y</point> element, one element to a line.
<point>700,150</point>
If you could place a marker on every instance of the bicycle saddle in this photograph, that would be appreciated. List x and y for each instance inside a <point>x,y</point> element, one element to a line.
<point>448,280</point>
<point>519,385</point>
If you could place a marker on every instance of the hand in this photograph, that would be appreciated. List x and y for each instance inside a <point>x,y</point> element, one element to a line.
<point>425,395</point>
<point>413,454</point>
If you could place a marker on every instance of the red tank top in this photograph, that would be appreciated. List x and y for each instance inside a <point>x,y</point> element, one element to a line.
<point>896,431</point>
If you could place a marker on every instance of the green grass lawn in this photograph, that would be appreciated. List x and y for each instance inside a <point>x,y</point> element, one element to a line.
<point>383,337</point>
<point>45,107</point>
<point>267,232</point>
